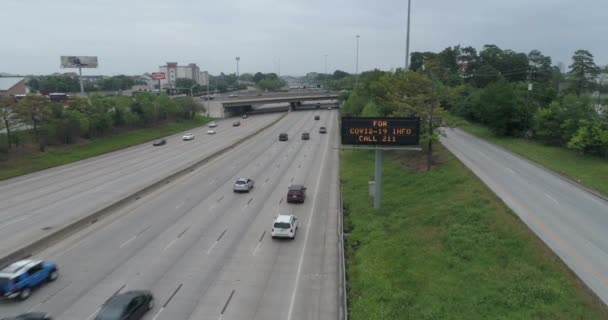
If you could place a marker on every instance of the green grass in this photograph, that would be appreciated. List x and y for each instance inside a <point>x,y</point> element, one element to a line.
<point>443,246</point>
<point>34,161</point>
<point>588,170</point>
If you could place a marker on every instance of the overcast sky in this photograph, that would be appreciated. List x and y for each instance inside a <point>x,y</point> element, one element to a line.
<point>137,36</point>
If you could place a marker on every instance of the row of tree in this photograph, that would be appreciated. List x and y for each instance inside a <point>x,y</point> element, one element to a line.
<point>514,94</point>
<point>54,123</point>
<point>63,83</point>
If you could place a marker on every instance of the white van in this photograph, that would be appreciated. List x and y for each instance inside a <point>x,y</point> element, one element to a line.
<point>284,226</point>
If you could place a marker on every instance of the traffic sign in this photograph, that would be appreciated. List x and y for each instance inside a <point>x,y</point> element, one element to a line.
<point>158,75</point>
<point>381,131</point>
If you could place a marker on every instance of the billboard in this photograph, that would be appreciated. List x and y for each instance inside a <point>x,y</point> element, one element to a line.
<point>158,75</point>
<point>78,62</point>
<point>380,131</point>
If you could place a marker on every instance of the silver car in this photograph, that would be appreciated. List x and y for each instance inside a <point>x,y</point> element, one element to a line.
<point>243,185</point>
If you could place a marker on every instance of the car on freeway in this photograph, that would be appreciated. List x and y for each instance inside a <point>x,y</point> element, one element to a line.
<point>233,95</point>
<point>284,226</point>
<point>30,316</point>
<point>236,124</point>
<point>296,193</point>
<point>322,130</point>
<point>212,124</point>
<point>243,185</point>
<point>317,117</point>
<point>159,142</point>
<point>131,305</point>
<point>329,108</point>
<point>188,137</point>
<point>210,131</point>
<point>305,136</point>
<point>283,137</point>
<point>245,116</point>
<point>19,278</point>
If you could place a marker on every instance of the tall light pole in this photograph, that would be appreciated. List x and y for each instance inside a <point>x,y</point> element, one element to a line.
<point>357,64</point>
<point>407,41</point>
<point>237,70</point>
<point>325,72</point>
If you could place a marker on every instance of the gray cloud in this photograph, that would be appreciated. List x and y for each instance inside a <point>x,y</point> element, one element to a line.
<point>136,36</point>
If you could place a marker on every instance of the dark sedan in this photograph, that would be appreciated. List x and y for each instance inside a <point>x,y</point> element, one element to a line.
<point>131,305</point>
<point>159,142</point>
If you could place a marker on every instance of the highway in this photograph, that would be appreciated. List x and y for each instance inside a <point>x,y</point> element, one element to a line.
<point>37,204</point>
<point>571,221</point>
<point>206,252</point>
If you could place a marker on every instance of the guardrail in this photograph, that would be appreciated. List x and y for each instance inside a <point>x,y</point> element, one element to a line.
<point>343,315</point>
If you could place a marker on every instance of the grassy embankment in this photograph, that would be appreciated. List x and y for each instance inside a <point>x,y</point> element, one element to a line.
<point>443,246</point>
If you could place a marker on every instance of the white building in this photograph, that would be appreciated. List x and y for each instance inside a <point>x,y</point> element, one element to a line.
<point>173,72</point>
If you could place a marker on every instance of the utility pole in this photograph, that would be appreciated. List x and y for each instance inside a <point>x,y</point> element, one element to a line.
<point>357,63</point>
<point>407,41</point>
<point>526,124</point>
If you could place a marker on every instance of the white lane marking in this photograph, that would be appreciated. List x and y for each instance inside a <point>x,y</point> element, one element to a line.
<point>484,155</point>
<point>127,242</point>
<point>13,222</point>
<point>170,244</point>
<point>510,170</point>
<point>158,313</point>
<point>312,213</point>
<point>213,246</point>
<point>94,313</point>
<point>34,308</point>
<point>180,204</point>
<point>548,196</point>
<point>66,250</point>
<point>256,248</point>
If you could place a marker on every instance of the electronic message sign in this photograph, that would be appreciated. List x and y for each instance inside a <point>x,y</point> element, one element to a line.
<point>380,131</point>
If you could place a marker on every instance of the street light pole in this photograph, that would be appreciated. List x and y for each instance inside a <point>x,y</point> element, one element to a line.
<point>407,41</point>
<point>325,72</point>
<point>357,64</point>
<point>237,69</point>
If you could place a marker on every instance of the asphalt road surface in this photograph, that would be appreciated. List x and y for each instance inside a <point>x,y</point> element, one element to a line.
<point>570,220</point>
<point>205,251</point>
<point>36,204</point>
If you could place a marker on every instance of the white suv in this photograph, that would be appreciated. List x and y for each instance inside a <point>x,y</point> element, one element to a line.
<point>188,137</point>
<point>284,226</point>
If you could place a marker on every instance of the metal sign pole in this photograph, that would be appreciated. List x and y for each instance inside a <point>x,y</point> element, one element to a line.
<point>81,85</point>
<point>378,179</point>
<point>159,90</point>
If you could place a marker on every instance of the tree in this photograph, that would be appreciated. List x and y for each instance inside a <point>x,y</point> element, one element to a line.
<point>258,77</point>
<point>591,138</point>
<point>8,117</point>
<point>339,74</point>
<point>583,71</point>
<point>246,77</point>
<point>417,59</point>
<point>468,60</point>
<point>184,85</point>
<point>485,75</point>
<point>188,108</point>
<point>35,110</point>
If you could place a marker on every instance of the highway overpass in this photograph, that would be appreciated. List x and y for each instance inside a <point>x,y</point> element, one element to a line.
<point>227,107</point>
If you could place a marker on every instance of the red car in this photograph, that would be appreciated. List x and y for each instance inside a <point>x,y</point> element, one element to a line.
<point>296,193</point>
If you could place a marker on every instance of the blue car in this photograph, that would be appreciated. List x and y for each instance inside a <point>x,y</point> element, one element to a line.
<point>18,279</point>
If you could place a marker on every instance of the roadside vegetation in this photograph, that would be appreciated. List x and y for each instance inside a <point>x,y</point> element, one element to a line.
<point>591,171</point>
<point>443,246</point>
<point>39,133</point>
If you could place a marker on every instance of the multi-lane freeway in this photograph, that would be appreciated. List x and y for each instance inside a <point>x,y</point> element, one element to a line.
<point>34,205</point>
<point>572,221</point>
<point>203,250</point>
